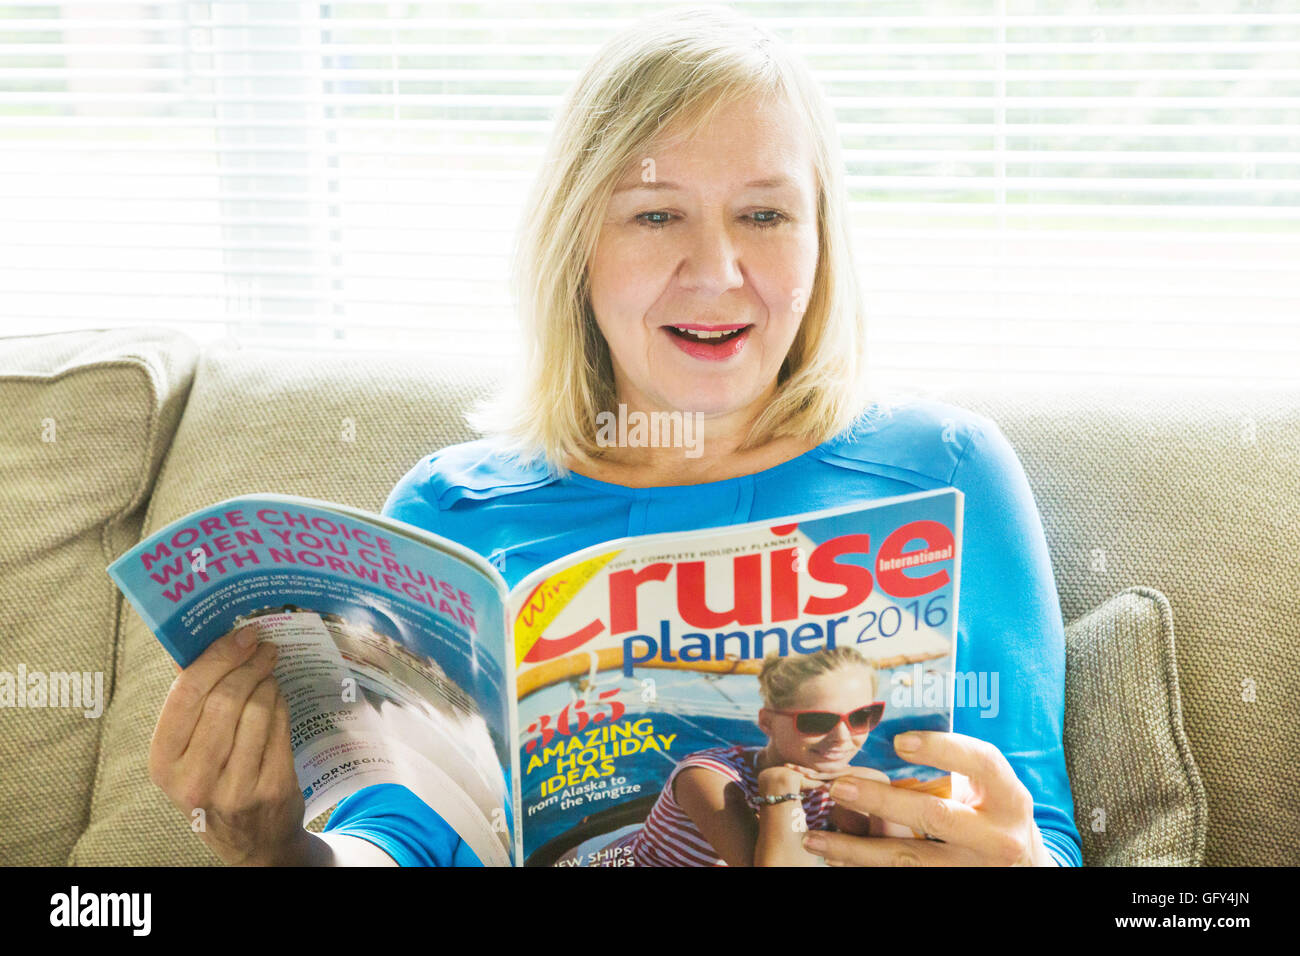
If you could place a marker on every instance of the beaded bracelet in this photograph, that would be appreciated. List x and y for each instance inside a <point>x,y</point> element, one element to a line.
<point>779,798</point>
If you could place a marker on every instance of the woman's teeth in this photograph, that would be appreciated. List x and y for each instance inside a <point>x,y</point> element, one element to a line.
<point>706,336</point>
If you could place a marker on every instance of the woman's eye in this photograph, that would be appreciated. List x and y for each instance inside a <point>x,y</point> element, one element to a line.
<point>656,224</point>
<point>764,219</point>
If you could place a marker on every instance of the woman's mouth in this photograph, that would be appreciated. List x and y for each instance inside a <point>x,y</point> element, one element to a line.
<point>836,755</point>
<point>710,345</point>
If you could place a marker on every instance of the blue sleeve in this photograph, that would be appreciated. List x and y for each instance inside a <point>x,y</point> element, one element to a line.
<point>402,825</point>
<point>1010,630</point>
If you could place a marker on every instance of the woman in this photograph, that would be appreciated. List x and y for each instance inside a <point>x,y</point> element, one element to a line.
<point>749,806</point>
<point>694,185</point>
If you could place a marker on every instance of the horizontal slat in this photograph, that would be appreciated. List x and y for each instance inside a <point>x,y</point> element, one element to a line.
<point>812,49</point>
<point>495,293</point>
<point>1149,215</point>
<point>1025,287</point>
<point>1248,325</point>
<point>501,322</point>
<point>381,11</point>
<point>865,238</point>
<point>152,124</point>
<point>380,127</point>
<point>547,101</point>
<point>1105,277</point>
<point>24,322</point>
<point>973,251</point>
<point>1275,349</point>
<point>1243,167</point>
<point>360,177</point>
<point>225,222</point>
<point>75,160</point>
<point>1011,185</point>
<point>446,177</point>
<point>324,275</point>
<point>410,74</point>
<point>1097,355</point>
<point>1121,307</point>
<point>897,233</point>
<point>876,210</point>
<point>1014,184</point>
<point>968,130</point>
<point>220,152</point>
<point>1245,18</point>
<point>335,247</point>
<point>217,158</point>
<point>1050,211</point>
<point>1097,267</point>
<point>233,196</point>
<point>309,296</point>
<point>906,317</point>
<point>380,8</point>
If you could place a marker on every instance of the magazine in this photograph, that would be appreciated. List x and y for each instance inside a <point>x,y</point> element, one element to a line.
<point>543,721</point>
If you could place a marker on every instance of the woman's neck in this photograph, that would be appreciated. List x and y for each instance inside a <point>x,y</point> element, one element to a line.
<point>637,467</point>
<point>647,446</point>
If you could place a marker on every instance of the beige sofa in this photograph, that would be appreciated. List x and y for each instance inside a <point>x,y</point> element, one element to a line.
<point>1172,519</point>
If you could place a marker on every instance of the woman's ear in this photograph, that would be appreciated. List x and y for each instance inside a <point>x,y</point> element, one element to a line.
<point>765,721</point>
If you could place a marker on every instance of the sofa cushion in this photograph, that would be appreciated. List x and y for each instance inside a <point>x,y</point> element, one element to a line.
<point>1192,491</point>
<point>87,419</point>
<point>342,427</point>
<point>1138,798</point>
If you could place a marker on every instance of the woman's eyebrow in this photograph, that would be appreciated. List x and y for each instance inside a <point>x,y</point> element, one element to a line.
<point>770,182</point>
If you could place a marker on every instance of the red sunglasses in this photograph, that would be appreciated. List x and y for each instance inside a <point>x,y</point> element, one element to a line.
<point>816,723</point>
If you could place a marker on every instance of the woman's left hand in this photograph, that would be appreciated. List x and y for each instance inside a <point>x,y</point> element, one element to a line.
<point>991,823</point>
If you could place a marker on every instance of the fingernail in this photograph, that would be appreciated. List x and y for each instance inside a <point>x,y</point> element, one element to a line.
<point>814,842</point>
<point>844,790</point>
<point>907,742</point>
<point>246,637</point>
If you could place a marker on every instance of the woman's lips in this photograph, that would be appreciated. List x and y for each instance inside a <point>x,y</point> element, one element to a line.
<point>706,351</point>
<point>837,755</point>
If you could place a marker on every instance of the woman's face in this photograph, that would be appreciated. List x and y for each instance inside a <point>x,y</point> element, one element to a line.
<point>839,692</point>
<point>723,234</point>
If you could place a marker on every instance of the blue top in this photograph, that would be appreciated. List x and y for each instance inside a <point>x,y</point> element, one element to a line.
<point>521,517</point>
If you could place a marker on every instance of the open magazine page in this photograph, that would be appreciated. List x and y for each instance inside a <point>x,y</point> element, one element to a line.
<point>636,654</point>
<point>391,654</point>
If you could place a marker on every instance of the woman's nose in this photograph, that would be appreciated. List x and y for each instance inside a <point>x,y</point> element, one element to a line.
<point>840,733</point>
<point>712,264</point>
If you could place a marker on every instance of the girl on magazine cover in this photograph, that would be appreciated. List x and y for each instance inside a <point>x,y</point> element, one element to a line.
<point>751,806</point>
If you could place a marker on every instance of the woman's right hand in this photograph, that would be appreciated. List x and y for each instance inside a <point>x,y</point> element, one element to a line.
<point>221,746</point>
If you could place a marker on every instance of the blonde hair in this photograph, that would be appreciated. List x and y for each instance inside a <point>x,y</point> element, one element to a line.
<point>674,67</point>
<point>781,677</point>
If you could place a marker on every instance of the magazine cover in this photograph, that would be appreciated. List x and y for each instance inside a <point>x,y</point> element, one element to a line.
<point>637,655</point>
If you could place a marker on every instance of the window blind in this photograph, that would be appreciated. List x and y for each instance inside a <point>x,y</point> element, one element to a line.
<point>1042,190</point>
